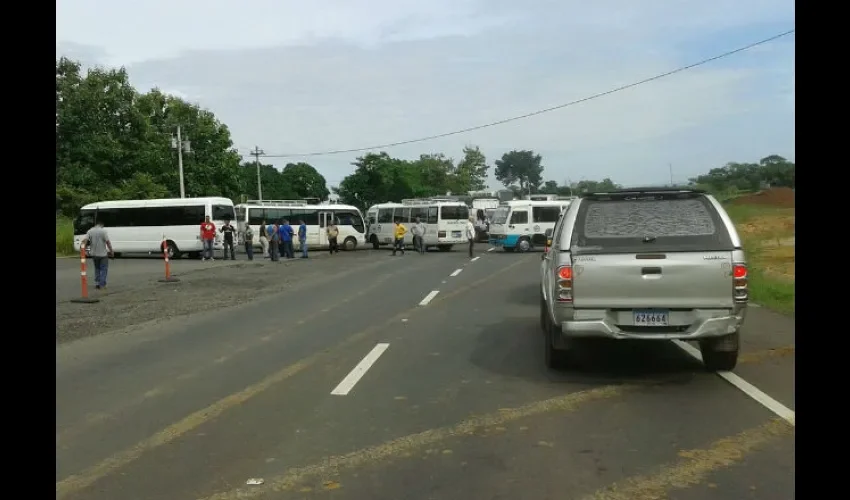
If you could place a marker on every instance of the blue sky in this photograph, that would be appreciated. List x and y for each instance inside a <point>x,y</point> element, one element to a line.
<point>294,76</point>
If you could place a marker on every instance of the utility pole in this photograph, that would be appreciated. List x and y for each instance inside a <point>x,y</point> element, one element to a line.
<point>180,145</point>
<point>256,153</point>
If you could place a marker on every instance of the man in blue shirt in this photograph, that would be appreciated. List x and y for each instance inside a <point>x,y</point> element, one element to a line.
<point>302,238</point>
<point>286,234</point>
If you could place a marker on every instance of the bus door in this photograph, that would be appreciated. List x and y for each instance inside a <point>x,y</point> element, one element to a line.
<point>324,220</point>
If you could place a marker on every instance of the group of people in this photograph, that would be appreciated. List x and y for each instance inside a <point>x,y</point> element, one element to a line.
<point>418,229</point>
<point>276,239</point>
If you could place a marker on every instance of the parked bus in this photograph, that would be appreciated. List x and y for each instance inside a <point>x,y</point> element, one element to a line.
<point>140,226</point>
<point>521,225</point>
<point>445,221</point>
<point>349,221</point>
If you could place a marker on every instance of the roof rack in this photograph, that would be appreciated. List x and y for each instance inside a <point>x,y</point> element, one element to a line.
<point>646,190</point>
<point>277,203</point>
<point>418,201</point>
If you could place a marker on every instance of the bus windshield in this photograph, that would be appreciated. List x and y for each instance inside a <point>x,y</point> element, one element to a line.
<point>459,212</point>
<point>84,222</point>
<point>500,216</point>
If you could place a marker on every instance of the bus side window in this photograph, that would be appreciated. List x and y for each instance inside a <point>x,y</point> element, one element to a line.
<point>432,215</point>
<point>385,216</point>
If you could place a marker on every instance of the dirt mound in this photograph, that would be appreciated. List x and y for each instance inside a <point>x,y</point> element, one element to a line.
<point>775,197</point>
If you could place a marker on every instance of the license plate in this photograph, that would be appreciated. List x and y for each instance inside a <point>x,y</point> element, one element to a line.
<point>455,234</point>
<point>651,318</point>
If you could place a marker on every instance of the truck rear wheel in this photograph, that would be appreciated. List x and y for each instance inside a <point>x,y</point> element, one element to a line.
<point>720,354</point>
<point>555,359</point>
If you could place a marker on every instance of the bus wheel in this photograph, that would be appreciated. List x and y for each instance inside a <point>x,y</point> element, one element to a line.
<point>444,248</point>
<point>523,245</point>
<point>349,244</point>
<point>374,240</point>
<point>171,250</point>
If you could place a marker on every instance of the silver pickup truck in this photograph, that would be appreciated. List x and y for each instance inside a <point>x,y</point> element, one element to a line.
<point>648,264</point>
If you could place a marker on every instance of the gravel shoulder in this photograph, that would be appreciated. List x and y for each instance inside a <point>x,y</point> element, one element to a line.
<point>218,286</point>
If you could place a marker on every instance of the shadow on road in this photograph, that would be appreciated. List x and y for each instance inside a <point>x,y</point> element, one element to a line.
<point>514,347</point>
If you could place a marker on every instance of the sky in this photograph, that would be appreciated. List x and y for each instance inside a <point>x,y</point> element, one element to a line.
<point>295,77</point>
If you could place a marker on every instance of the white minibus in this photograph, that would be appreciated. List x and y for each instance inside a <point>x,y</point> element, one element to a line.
<point>521,224</point>
<point>140,226</point>
<point>445,221</point>
<point>349,221</point>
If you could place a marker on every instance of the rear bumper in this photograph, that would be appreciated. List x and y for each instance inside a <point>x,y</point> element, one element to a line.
<point>705,325</point>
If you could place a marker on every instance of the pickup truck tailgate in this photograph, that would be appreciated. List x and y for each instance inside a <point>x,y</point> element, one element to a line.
<point>687,280</point>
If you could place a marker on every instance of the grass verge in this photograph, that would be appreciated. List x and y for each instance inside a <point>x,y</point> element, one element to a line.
<point>64,237</point>
<point>768,237</point>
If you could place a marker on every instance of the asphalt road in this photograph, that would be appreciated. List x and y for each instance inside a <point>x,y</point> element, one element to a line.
<point>454,401</point>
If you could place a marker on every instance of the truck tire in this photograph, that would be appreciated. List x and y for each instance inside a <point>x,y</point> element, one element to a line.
<point>720,354</point>
<point>555,359</point>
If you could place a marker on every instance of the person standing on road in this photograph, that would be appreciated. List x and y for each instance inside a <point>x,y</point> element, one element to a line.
<point>418,229</point>
<point>274,240</point>
<point>208,238</point>
<point>333,233</point>
<point>264,240</point>
<point>400,231</point>
<point>470,234</point>
<point>286,234</point>
<point>249,242</point>
<point>228,230</point>
<point>302,238</point>
<point>100,251</point>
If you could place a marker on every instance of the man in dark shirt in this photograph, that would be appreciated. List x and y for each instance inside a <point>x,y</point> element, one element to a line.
<point>228,230</point>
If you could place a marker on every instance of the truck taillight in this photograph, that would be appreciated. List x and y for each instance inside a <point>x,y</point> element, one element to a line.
<point>565,284</point>
<point>740,283</point>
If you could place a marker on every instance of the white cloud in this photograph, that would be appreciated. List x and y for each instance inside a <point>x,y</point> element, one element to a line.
<point>299,76</point>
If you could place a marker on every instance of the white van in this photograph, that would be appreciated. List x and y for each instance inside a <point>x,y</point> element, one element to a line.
<point>445,221</point>
<point>521,224</point>
<point>352,230</point>
<point>140,226</point>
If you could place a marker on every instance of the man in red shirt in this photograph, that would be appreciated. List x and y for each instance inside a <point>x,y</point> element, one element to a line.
<point>208,237</point>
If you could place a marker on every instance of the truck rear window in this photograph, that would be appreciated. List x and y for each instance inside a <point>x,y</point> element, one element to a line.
<point>654,223</point>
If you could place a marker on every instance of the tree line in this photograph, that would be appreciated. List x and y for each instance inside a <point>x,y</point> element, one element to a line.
<point>113,142</point>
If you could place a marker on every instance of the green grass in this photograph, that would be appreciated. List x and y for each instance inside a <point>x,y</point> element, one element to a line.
<point>762,230</point>
<point>772,292</point>
<point>64,237</point>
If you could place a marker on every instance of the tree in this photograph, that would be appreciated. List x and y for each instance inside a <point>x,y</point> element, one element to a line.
<point>275,187</point>
<point>772,170</point>
<point>303,180</point>
<point>377,178</point>
<point>470,174</point>
<point>523,167</point>
<point>113,143</point>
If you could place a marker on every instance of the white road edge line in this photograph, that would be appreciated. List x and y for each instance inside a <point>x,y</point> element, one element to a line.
<point>357,373</point>
<point>491,249</point>
<point>753,304</point>
<point>475,258</point>
<point>747,388</point>
<point>456,272</point>
<point>429,297</point>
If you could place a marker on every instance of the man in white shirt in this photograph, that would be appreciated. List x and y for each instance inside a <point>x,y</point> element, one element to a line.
<point>418,231</point>
<point>470,234</point>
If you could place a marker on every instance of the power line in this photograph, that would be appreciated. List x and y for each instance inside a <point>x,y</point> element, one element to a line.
<point>541,111</point>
